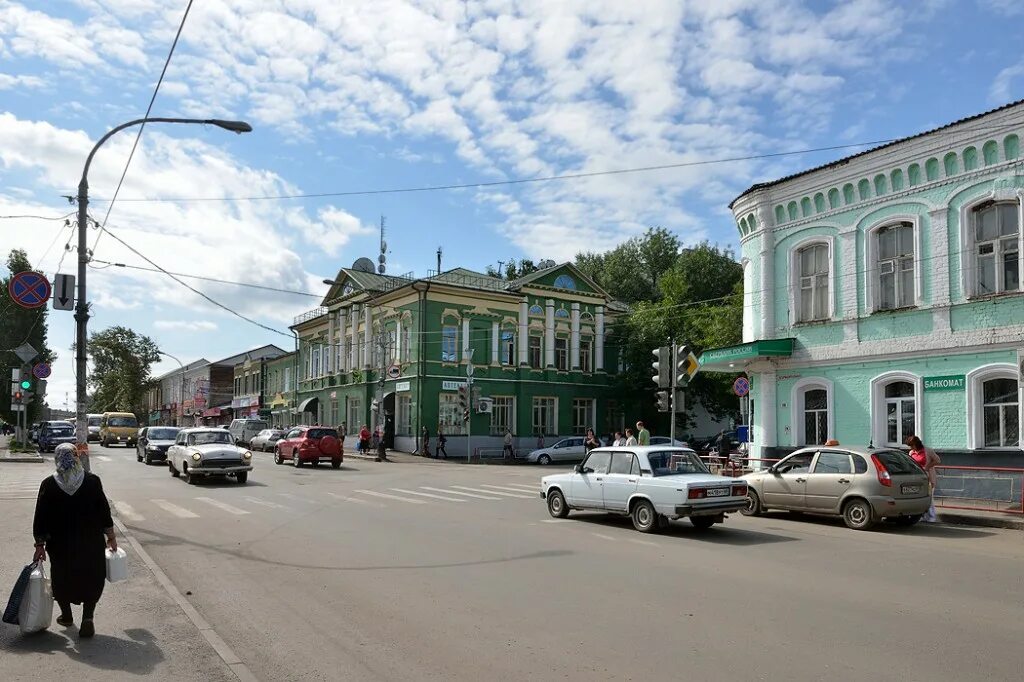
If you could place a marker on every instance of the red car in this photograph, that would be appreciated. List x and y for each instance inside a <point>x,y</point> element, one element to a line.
<point>313,444</point>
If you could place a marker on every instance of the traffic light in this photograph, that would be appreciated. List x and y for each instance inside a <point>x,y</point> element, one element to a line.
<point>26,384</point>
<point>18,395</point>
<point>662,366</point>
<point>463,397</point>
<point>663,401</point>
<point>686,365</point>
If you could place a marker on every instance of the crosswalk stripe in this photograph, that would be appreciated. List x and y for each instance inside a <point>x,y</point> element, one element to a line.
<point>124,509</point>
<point>295,497</point>
<point>492,492</point>
<point>180,512</point>
<point>512,490</point>
<point>386,496</point>
<point>355,500</point>
<point>436,497</point>
<point>528,488</point>
<point>101,458</point>
<point>456,492</point>
<point>264,503</point>
<point>222,505</point>
<point>603,537</point>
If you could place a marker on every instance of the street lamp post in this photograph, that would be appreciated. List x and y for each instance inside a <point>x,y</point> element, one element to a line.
<point>81,308</point>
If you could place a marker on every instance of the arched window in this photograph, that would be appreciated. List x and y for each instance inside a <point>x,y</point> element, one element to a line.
<point>864,189</point>
<point>996,247</point>
<point>751,222</point>
<point>805,206</point>
<point>562,313</point>
<point>994,407</point>
<point>931,169</point>
<point>970,158</point>
<point>848,196</point>
<point>951,163</point>
<point>819,202</point>
<point>1011,147</point>
<point>895,408</point>
<point>897,180</point>
<point>780,214</point>
<point>914,174</point>
<point>833,198</point>
<point>881,186</point>
<point>536,310</point>
<point>812,263</point>
<point>990,150</point>
<point>813,415</point>
<point>792,209</point>
<point>565,282</point>
<point>743,226</point>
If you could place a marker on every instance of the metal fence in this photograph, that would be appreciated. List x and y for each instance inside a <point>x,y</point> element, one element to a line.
<point>972,488</point>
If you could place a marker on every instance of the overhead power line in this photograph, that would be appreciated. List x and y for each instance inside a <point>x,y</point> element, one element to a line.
<point>207,279</point>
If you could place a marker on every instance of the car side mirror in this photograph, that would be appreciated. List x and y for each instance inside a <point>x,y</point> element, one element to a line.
<point>578,468</point>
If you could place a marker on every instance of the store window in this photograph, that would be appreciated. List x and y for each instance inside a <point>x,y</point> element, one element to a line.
<point>997,248</point>
<point>503,414</point>
<point>403,415</point>
<point>895,266</point>
<point>545,412</point>
<point>534,354</point>
<point>900,412</point>
<point>1000,413</point>
<point>561,354</point>
<point>449,344</point>
<point>449,416</point>
<point>582,415</point>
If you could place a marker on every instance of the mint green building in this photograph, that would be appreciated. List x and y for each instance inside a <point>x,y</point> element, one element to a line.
<point>395,350</point>
<point>883,296</point>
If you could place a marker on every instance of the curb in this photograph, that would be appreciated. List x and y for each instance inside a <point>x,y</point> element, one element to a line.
<point>35,459</point>
<point>982,521</point>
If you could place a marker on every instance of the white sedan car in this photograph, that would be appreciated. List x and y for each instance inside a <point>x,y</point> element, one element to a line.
<point>565,450</point>
<point>207,452</point>
<point>651,484</point>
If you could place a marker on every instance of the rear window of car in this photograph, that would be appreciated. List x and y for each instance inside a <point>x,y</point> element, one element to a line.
<point>320,433</point>
<point>94,421</point>
<point>122,421</point>
<point>61,431</point>
<point>162,434</point>
<point>897,462</point>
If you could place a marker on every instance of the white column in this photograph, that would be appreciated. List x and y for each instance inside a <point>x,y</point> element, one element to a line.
<point>765,433</point>
<point>549,334</point>
<point>342,336</point>
<point>464,356</point>
<point>599,339</point>
<point>353,351</point>
<point>767,285</point>
<point>495,333</point>
<point>574,339</point>
<point>398,342</point>
<point>524,330</point>
<point>367,337</point>
<point>328,362</point>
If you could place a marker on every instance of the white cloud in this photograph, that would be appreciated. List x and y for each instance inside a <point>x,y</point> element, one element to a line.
<point>186,325</point>
<point>1002,87</point>
<point>23,81</point>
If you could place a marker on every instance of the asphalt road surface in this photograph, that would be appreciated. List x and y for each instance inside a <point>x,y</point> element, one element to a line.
<point>439,571</point>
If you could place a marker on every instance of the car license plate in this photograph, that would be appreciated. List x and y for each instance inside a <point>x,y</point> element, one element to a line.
<point>718,492</point>
<point>910,489</point>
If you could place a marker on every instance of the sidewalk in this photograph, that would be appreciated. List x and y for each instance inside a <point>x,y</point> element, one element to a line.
<point>140,630</point>
<point>7,456</point>
<point>980,518</point>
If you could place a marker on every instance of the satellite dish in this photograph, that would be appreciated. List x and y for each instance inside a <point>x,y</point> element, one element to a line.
<point>363,265</point>
<point>547,263</point>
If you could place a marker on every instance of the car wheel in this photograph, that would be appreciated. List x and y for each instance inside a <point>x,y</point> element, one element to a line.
<point>148,459</point>
<point>336,464</point>
<point>277,457</point>
<point>174,472</point>
<point>702,522</point>
<point>858,515</point>
<point>186,476</point>
<point>645,519</point>
<point>296,462</point>
<point>907,520</point>
<point>242,476</point>
<point>556,505</point>
<point>544,459</point>
<point>753,507</point>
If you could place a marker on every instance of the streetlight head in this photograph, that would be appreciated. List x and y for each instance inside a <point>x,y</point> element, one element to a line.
<point>330,282</point>
<point>234,126</point>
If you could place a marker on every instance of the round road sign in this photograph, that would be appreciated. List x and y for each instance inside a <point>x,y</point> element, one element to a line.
<point>394,371</point>
<point>29,289</point>
<point>741,386</point>
<point>41,370</point>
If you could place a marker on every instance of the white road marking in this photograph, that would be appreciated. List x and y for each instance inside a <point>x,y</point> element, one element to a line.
<point>180,512</point>
<point>556,521</point>
<point>436,497</point>
<point>264,503</point>
<point>101,458</point>
<point>124,509</point>
<point>527,488</point>
<point>222,505</point>
<point>386,496</point>
<point>456,492</point>
<point>355,499</point>
<point>643,542</point>
<point>511,490</point>
<point>295,497</point>
<point>492,492</point>
<point>603,537</point>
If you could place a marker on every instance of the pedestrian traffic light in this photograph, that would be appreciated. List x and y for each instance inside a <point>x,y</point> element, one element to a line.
<point>663,402</point>
<point>18,396</point>
<point>662,366</point>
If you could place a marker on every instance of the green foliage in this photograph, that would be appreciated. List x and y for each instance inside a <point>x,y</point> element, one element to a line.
<point>513,269</point>
<point>121,361</point>
<point>632,271</point>
<point>18,325</point>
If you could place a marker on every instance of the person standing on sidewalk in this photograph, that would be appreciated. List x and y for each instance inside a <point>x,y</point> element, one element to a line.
<point>507,451</point>
<point>630,438</point>
<point>591,441</point>
<point>927,459</point>
<point>71,519</point>
<point>441,440</point>
<point>364,440</point>
<point>425,442</point>
<point>643,436</point>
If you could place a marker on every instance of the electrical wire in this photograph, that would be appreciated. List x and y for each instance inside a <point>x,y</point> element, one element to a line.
<point>108,264</point>
<point>138,135</point>
<point>36,217</point>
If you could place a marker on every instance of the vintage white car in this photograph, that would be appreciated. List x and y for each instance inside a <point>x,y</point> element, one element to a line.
<point>207,452</point>
<point>651,484</point>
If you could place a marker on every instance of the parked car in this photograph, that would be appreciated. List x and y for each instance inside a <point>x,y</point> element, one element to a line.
<point>93,423</point>
<point>154,441</point>
<point>53,433</point>
<point>313,444</point>
<point>118,427</point>
<point>650,484</point>
<point>665,440</point>
<point>243,430</point>
<point>207,452</point>
<point>862,485</point>
<point>565,450</point>
<point>265,440</point>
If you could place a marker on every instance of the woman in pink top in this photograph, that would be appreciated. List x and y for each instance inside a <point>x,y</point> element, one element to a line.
<point>927,460</point>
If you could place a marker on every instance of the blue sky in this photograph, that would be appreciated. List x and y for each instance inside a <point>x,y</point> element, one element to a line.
<point>395,93</point>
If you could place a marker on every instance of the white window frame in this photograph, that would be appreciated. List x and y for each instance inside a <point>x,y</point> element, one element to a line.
<point>507,347</point>
<point>563,353</point>
<point>403,414</point>
<point>797,403</point>
<point>878,414</point>
<point>529,348</point>
<point>354,417</point>
<point>454,356</point>
<point>548,400</point>
<point>587,353</point>
<point>968,255</point>
<point>503,404</point>
<point>872,277</point>
<point>590,415</point>
<point>976,379</point>
<point>795,276</point>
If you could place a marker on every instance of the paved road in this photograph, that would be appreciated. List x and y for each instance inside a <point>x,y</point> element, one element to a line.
<point>434,571</point>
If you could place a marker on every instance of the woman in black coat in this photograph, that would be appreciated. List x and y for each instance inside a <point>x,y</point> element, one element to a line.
<point>72,517</point>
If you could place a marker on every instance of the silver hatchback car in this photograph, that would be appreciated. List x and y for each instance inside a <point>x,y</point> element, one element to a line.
<point>861,485</point>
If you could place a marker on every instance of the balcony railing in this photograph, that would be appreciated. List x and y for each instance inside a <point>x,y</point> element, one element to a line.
<point>398,281</point>
<point>310,315</point>
<point>466,280</point>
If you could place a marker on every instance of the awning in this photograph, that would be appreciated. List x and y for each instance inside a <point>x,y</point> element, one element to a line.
<point>727,358</point>
<point>308,405</point>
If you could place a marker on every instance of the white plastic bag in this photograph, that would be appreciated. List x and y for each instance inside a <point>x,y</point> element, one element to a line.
<point>36,611</point>
<point>117,566</point>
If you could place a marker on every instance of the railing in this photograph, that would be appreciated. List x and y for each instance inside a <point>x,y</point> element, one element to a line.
<point>463,279</point>
<point>310,315</point>
<point>397,281</point>
<point>990,489</point>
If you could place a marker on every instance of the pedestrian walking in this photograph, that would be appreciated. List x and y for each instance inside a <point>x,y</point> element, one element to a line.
<point>540,440</point>
<point>364,439</point>
<point>927,459</point>
<point>507,451</point>
<point>425,442</point>
<point>441,440</point>
<point>630,438</point>
<point>342,432</point>
<point>71,519</point>
<point>591,441</point>
<point>643,436</point>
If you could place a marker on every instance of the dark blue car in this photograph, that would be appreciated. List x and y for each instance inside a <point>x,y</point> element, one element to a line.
<point>52,434</point>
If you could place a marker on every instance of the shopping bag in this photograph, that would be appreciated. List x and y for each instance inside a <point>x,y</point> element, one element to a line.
<point>36,610</point>
<point>117,565</point>
<point>14,603</point>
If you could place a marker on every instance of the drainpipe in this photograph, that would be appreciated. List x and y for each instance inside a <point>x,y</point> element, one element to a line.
<point>420,361</point>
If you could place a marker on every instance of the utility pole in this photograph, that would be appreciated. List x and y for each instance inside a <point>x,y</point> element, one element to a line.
<point>672,393</point>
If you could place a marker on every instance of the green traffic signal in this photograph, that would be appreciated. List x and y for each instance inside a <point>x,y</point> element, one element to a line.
<point>26,384</point>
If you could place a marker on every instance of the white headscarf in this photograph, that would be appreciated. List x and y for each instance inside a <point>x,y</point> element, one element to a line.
<point>70,473</point>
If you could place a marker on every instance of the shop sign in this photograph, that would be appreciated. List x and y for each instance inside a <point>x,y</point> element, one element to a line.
<point>403,386</point>
<point>951,382</point>
<point>451,385</point>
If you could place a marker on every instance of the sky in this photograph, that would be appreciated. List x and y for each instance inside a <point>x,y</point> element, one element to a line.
<point>368,95</point>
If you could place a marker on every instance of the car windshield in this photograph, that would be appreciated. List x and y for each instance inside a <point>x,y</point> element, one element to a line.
<point>204,437</point>
<point>897,462</point>
<point>94,421</point>
<point>122,421</point>
<point>320,433</point>
<point>162,434</point>
<point>673,462</point>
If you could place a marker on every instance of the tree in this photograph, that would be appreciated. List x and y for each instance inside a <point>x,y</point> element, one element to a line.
<point>17,326</point>
<point>121,362</point>
<point>513,269</point>
<point>632,271</point>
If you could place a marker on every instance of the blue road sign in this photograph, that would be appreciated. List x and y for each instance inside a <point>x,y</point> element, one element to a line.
<point>29,289</point>
<point>741,386</point>
<point>41,370</point>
